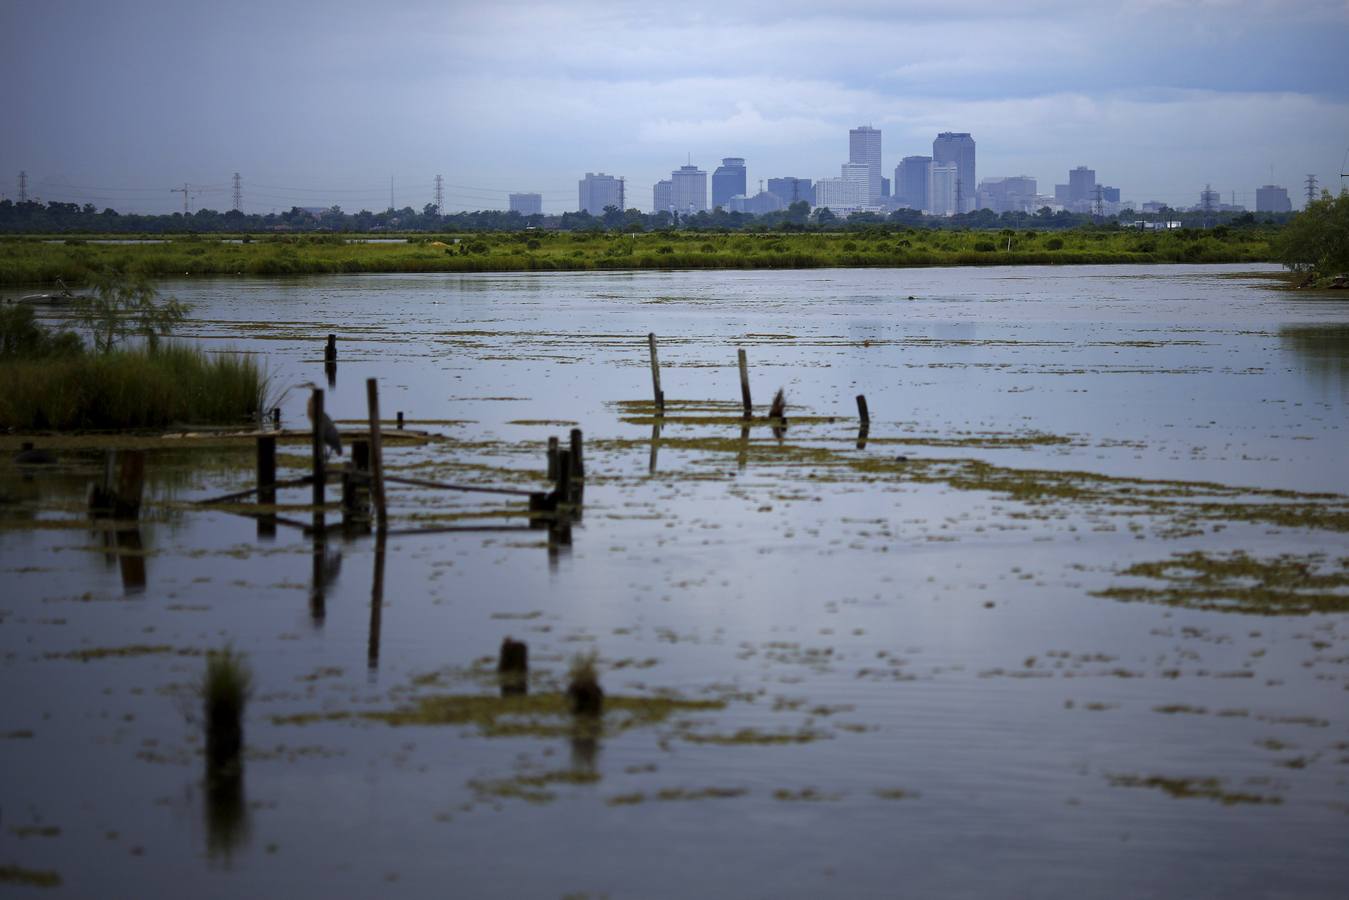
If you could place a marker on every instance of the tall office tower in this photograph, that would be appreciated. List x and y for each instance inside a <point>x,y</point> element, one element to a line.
<point>527,204</point>
<point>957,148</point>
<point>791,190</point>
<point>1081,188</point>
<point>1272,198</point>
<point>885,186</point>
<point>598,191</point>
<point>688,192</point>
<point>662,196</point>
<point>728,180</point>
<point>943,181</point>
<point>911,181</point>
<point>842,195</point>
<point>864,147</point>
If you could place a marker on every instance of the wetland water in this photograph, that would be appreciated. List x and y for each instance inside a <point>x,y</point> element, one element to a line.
<point>1087,639</point>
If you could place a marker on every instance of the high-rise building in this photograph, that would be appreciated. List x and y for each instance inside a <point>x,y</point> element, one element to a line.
<point>1081,189</point>
<point>1014,194</point>
<point>598,191</point>
<point>885,186</point>
<point>527,204</point>
<point>688,191</point>
<point>911,178</point>
<point>662,199</point>
<point>728,180</point>
<point>1109,194</point>
<point>943,183</point>
<point>957,148</point>
<point>864,147</point>
<point>842,195</point>
<point>1272,198</point>
<point>791,190</point>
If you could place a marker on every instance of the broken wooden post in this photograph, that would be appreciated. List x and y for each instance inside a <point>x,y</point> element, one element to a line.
<point>400,420</point>
<point>356,488</point>
<point>267,484</point>
<point>276,418</point>
<point>655,375</point>
<point>578,469</point>
<point>552,458</point>
<point>563,480</point>
<point>376,455</point>
<point>513,667</point>
<point>744,384</point>
<point>130,484</point>
<point>330,352</point>
<point>862,410</point>
<point>320,468</point>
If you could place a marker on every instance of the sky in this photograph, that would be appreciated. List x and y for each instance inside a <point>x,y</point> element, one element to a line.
<point>323,102</point>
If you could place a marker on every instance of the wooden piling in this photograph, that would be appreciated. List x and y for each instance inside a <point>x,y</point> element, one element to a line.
<point>276,418</point>
<point>744,384</point>
<point>578,469</point>
<point>130,485</point>
<point>376,605</point>
<point>563,481</point>
<point>330,352</point>
<point>552,458</point>
<point>267,483</point>
<point>658,394</point>
<point>320,468</point>
<point>862,410</point>
<point>400,420</point>
<point>376,455</point>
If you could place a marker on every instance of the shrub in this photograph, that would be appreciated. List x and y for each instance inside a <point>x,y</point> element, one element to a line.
<point>22,336</point>
<point>1054,244</point>
<point>984,246</point>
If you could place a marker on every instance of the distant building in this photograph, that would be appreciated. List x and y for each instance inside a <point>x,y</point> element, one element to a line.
<point>760,203</point>
<point>1015,194</point>
<point>1154,206</point>
<point>1081,189</point>
<point>1061,194</point>
<point>1272,198</point>
<point>864,148</point>
<point>527,204</point>
<point>943,181</point>
<point>1109,194</point>
<point>728,180</point>
<point>688,191</point>
<point>843,195</point>
<point>792,190</point>
<point>662,199</point>
<point>911,182</point>
<point>598,191</point>
<point>957,148</point>
<point>885,186</point>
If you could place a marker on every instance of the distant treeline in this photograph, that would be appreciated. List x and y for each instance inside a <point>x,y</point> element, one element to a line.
<point>71,218</point>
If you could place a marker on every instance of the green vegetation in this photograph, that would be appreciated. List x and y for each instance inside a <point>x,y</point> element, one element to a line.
<point>224,691</point>
<point>11,874</point>
<point>1184,788</point>
<point>1316,241</point>
<point>30,261</point>
<point>123,307</point>
<point>1284,585</point>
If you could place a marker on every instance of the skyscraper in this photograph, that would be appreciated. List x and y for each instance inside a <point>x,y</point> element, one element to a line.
<point>1272,198</point>
<point>911,177</point>
<point>728,181</point>
<point>864,146</point>
<point>527,204</point>
<point>957,148</point>
<point>598,191</point>
<point>791,190</point>
<point>1081,188</point>
<point>688,190</point>
<point>943,181</point>
<point>662,196</point>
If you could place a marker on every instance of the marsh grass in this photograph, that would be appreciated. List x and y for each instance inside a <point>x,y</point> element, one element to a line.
<point>584,694</point>
<point>224,690</point>
<point>131,389</point>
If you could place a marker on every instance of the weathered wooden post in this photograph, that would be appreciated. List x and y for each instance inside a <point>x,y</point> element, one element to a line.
<point>330,352</point>
<point>400,420</point>
<point>376,454</point>
<point>320,468</point>
<point>356,488</point>
<point>744,384</point>
<point>862,410</point>
<point>130,485</point>
<point>552,458</point>
<point>276,418</point>
<point>655,448</point>
<point>564,486</point>
<point>655,375</point>
<point>376,605</point>
<point>578,469</point>
<point>267,484</point>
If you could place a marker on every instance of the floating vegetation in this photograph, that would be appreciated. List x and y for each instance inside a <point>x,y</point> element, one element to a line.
<point>805,795</point>
<point>224,690</point>
<point>11,874</point>
<point>1288,584</point>
<point>529,787</point>
<point>753,736</point>
<point>120,652</point>
<point>1206,788</point>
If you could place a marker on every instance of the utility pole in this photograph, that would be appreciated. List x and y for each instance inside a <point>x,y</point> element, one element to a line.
<point>391,206</point>
<point>1311,189</point>
<point>184,191</point>
<point>23,187</point>
<point>440,196</point>
<point>238,194</point>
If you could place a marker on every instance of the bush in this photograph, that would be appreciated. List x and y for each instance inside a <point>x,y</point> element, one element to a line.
<point>1054,244</point>
<point>1316,240</point>
<point>984,246</point>
<point>22,337</point>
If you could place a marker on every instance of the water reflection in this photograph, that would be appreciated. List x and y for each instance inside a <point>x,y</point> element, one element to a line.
<point>227,824</point>
<point>376,605</point>
<point>326,566</point>
<point>655,448</point>
<point>1322,349</point>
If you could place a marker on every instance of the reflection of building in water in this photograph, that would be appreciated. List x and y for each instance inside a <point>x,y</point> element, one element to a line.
<point>1322,350</point>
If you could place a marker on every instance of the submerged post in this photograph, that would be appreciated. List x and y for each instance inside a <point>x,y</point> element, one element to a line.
<point>400,420</point>
<point>659,395</point>
<point>267,483</point>
<point>578,469</point>
<point>130,484</point>
<point>744,384</point>
<point>316,446</point>
<point>862,410</point>
<point>376,453</point>
<point>330,352</point>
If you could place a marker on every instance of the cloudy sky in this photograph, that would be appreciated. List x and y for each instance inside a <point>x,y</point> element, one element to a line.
<point>317,102</point>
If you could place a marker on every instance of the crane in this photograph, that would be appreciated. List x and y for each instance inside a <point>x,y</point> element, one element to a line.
<point>186,190</point>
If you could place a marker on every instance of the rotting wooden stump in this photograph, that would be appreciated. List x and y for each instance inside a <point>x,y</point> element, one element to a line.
<point>119,495</point>
<point>513,666</point>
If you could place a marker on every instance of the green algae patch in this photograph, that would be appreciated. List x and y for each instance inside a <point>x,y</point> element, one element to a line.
<point>29,877</point>
<point>708,793</point>
<point>120,652</point>
<point>523,715</point>
<point>805,795</point>
<point>1188,788</point>
<point>532,788</point>
<point>754,737</point>
<point>1286,585</point>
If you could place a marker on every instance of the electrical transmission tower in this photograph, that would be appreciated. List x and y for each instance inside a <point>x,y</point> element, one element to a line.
<point>23,187</point>
<point>1311,189</point>
<point>440,196</point>
<point>238,193</point>
<point>1099,204</point>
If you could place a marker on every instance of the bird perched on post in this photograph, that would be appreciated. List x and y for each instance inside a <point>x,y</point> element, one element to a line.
<point>327,430</point>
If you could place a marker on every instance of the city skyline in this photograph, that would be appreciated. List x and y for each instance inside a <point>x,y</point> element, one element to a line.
<point>316,104</point>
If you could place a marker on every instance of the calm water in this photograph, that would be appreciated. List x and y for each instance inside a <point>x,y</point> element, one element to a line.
<point>925,691</point>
